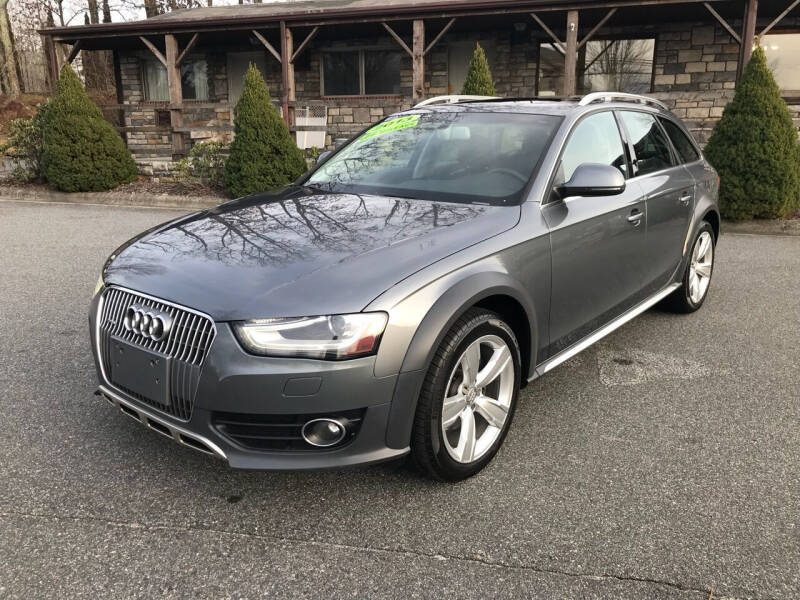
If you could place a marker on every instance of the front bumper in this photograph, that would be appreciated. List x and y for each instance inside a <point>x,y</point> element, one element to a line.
<point>233,382</point>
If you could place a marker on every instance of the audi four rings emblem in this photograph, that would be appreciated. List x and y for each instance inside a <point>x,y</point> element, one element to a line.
<point>147,322</point>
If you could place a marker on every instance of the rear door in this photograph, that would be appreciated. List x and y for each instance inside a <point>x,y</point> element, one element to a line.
<point>669,190</point>
<point>597,243</point>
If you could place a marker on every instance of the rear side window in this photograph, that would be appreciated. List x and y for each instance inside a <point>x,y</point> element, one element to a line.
<point>650,145</point>
<point>684,146</point>
<point>594,140</point>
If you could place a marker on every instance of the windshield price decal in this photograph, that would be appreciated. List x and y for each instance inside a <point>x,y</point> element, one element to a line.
<point>391,125</point>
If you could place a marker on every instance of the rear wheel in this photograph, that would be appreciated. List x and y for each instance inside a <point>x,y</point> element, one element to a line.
<point>468,398</point>
<point>697,278</point>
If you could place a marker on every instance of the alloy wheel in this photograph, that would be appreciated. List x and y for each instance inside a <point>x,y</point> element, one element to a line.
<point>700,267</point>
<point>477,399</point>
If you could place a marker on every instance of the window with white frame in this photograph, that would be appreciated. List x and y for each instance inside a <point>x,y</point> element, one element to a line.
<point>194,79</point>
<point>361,72</point>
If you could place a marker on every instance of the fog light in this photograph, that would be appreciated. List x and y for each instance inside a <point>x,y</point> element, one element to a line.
<point>323,433</point>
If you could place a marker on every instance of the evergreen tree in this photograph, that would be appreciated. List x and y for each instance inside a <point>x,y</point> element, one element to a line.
<point>479,78</point>
<point>81,152</point>
<point>754,147</point>
<point>263,153</point>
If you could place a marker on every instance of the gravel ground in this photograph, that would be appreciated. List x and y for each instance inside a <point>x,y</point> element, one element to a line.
<point>661,463</point>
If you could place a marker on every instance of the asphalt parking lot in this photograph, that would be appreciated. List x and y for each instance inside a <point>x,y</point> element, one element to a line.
<point>662,463</point>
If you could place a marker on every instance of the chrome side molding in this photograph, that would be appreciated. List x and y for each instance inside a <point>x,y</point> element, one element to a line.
<point>598,335</point>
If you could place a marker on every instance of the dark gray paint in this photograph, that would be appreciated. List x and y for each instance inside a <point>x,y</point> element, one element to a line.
<point>567,267</point>
<point>270,255</point>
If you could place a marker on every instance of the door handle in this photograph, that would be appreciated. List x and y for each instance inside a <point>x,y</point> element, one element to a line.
<point>685,199</point>
<point>635,218</point>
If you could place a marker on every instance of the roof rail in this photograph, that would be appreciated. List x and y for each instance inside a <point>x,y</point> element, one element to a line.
<point>453,99</point>
<point>596,97</point>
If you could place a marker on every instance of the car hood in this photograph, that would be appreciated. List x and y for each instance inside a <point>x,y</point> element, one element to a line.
<point>295,252</point>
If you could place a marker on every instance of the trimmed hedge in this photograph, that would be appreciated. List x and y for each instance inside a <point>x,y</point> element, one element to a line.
<point>754,147</point>
<point>81,151</point>
<point>263,153</point>
<point>479,77</point>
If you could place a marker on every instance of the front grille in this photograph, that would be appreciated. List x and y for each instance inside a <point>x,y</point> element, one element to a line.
<point>186,344</point>
<point>278,432</point>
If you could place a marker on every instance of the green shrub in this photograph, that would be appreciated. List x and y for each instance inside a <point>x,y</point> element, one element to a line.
<point>479,78</point>
<point>205,164</point>
<point>312,153</point>
<point>263,153</point>
<point>81,152</point>
<point>24,145</point>
<point>754,147</point>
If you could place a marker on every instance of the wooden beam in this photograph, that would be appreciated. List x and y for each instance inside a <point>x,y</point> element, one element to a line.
<point>175,94</point>
<point>748,35</point>
<point>558,45</point>
<point>287,71</point>
<point>398,39</point>
<point>723,22</point>
<point>435,41</point>
<point>780,18</point>
<point>571,55</point>
<point>76,47</point>
<point>305,42</point>
<point>418,61</point>
<point>597,28</point>
<point>186,50</point>
<point>52,62</point>
<point>267,45</point>
<point>154,50</point>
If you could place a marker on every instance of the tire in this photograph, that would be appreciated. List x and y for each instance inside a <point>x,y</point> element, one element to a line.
<point>485,410</point>
<point>686,298</point>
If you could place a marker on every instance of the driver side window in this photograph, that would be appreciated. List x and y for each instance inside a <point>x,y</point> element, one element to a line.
<point>595,139</point>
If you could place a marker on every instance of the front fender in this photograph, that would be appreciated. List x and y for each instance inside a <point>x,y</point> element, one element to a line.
<point>455,302</point>
<point>449,305</point>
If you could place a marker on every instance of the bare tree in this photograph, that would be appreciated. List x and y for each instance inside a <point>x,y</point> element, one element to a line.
<point>10,76</point>
<point>619,65</point>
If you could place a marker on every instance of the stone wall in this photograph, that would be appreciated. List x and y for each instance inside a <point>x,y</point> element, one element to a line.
<point>152,148</point>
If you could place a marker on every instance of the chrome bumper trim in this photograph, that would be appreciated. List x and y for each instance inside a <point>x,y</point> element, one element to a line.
<point>147,418</point>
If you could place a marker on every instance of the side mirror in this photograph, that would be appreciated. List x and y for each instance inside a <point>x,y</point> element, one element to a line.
<point>323,156</point>
<point>593,179</point>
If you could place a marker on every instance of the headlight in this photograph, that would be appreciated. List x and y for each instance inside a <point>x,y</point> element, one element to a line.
<point>337,337</point>
<point>98,286</point>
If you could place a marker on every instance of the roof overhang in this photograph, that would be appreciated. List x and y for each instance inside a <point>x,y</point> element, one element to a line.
<point>254,16</point>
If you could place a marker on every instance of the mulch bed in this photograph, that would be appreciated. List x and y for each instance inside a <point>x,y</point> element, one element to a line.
<point>171,188</point>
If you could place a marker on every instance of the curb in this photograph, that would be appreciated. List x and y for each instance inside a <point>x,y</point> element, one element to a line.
<point>763,227</point>
<point>12,194</point>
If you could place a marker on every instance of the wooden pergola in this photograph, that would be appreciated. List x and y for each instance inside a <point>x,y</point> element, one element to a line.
<point>285,20</point>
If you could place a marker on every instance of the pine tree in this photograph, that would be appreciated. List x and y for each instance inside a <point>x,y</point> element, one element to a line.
<point>479,78</point>
<point>81,152</point>
<point>263,153</point>
<point>754,147</point>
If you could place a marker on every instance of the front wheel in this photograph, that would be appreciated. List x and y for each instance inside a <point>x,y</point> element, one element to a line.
<point>468,398</point>
<point>697,278</point>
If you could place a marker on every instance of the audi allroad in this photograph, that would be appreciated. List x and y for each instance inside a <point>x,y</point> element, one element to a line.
<point>396,298</point>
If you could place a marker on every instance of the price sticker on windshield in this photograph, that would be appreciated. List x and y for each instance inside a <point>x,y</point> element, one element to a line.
<point>391,125</point>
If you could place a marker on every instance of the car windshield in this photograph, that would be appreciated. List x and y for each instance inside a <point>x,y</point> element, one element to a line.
<point>455,156</point>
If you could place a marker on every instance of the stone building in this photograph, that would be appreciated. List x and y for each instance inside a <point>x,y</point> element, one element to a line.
<point>336,66</point>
